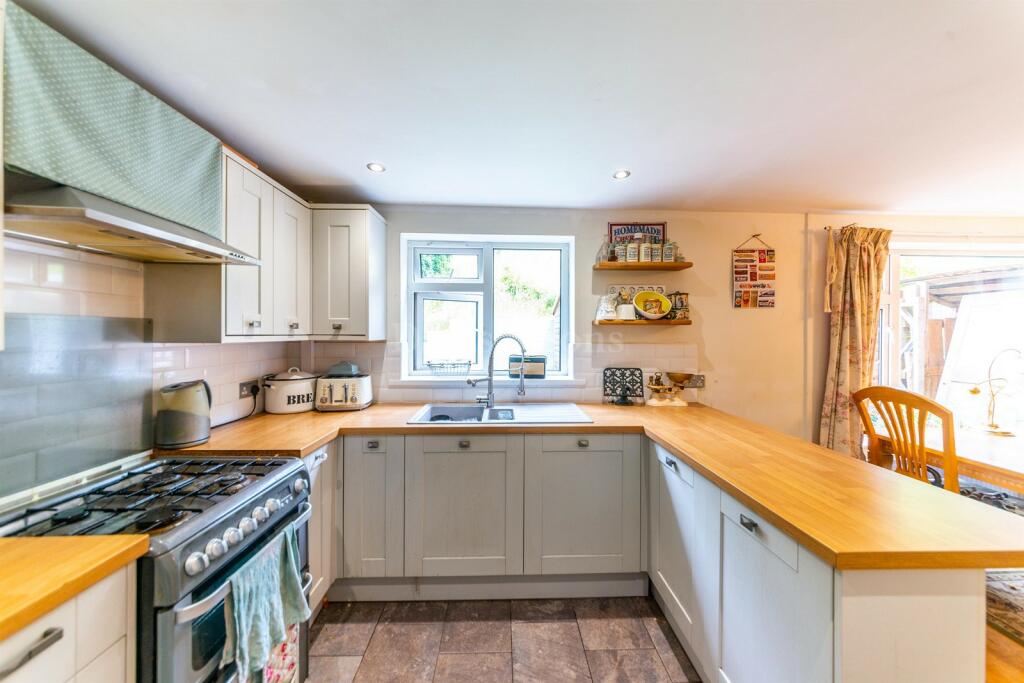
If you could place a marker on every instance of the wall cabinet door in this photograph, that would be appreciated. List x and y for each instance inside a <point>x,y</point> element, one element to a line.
<point>776,604</point>
<point>463,505</point>
<point>582,508</point>
<point>349,274</point>
<point>685,551</point>
<point>249,226</point>
<point>373,517</point>
<point>321,465</point>
<point>292,261</point>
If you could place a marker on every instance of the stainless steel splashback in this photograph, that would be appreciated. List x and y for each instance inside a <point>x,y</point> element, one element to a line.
<point>75,393</point>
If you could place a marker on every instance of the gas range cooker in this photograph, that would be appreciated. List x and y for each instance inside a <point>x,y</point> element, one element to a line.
<point>155,499</point>
<point>205,518</point>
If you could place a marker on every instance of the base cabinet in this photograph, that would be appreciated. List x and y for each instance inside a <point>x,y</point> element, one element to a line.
<point>464,505</point>
<point>685,511</point>
<point>321,466</point>
<point>582,503</point>
<point>776,604</point>
<point>373,515</point>
<point>96,642</point>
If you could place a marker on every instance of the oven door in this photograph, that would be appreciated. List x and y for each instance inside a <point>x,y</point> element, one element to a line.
<point>191,635</point>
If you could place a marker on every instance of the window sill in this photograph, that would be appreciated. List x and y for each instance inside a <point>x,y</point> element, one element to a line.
<point>430,382</point>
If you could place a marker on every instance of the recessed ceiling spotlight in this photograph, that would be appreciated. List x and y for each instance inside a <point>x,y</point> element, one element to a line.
<point>621,174</point>
<point>375,167</point>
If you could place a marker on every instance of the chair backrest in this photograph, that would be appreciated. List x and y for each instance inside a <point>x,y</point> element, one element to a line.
<point>905,416</point>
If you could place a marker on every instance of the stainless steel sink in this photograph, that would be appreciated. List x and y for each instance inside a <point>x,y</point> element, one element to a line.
<point>512,413</point>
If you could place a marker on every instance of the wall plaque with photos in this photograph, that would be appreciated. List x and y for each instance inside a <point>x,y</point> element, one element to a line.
<point>753,275</point>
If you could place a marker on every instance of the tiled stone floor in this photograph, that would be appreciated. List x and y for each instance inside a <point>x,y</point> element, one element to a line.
<point>599,639</point>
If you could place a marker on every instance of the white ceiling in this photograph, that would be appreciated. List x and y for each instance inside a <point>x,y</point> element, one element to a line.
<point>887,105</point>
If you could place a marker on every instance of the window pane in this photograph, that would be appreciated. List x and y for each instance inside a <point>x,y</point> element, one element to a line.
<point>959,327</point>
<point>527,303</point>
<point>449,266</point>
<point>451,329</point>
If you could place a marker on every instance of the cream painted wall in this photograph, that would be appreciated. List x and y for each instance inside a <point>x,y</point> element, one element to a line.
<point>753,359</point>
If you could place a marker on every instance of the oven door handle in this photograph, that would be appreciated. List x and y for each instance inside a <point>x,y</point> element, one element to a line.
<point>198,609</point>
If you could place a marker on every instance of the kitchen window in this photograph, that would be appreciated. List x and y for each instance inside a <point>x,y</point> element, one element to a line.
<point>462,293</point>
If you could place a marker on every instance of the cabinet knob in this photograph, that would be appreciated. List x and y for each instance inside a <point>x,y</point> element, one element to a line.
<point>293,326</point>
<point>583,443</point>
<point>464,444</point>
<point>373,445</point>
<point>747,523</point>
<point>255,323</point>
<point>336,326</point>
<point>670,462</point>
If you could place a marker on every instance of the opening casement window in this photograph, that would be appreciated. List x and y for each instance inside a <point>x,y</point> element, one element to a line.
<point>951,326</point>
<point>461,293</point>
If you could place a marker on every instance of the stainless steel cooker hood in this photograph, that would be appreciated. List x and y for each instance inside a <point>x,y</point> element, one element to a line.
<point>80,220</point>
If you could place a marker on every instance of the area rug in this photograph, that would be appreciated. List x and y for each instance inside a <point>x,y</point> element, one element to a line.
<point>1005,598</point>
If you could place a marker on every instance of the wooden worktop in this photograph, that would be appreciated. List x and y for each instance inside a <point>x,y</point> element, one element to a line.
<point>41,573</point>
<point>851,514</point>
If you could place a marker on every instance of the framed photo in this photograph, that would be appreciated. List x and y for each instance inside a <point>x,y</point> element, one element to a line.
<point>624,232</point>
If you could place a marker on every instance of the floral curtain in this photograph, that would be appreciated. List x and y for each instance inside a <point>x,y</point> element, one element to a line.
<point>856,262</point>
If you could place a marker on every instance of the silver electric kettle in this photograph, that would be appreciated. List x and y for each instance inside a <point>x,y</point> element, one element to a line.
<point>183,414</point>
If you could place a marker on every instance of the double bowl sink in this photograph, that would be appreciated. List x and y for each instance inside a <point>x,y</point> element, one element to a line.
<point>513,413</point>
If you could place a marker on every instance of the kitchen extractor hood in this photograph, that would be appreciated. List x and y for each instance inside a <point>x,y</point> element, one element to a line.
<point>80,220</point>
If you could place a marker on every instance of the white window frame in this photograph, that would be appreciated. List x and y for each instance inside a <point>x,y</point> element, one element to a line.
<point>889,304</point>
<point>414,288</point>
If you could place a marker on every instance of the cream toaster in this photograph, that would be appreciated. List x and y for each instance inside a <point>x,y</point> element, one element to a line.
<point>343,387</point>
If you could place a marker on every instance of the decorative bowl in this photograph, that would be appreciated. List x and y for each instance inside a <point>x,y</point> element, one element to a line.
<point>651,305</point>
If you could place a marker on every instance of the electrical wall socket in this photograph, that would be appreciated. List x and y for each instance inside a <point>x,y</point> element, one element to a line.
<point>246,389</point>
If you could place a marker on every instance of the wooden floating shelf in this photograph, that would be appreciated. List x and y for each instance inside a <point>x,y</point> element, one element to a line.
<point>643,322</point>
<point>643,265</point>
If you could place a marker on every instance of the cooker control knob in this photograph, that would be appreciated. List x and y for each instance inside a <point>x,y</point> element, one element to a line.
<point>216,548</point>
<point>272,505</point>
<point>299,485</point>
<point>260,514</point>
<point>196,563</point>
<point>233,536</point>
<point>247,525</point>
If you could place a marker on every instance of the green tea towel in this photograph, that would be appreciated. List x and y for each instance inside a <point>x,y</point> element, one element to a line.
<point>266,598</point>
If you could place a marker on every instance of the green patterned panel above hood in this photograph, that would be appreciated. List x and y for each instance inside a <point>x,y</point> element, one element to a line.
<point>73,119</point>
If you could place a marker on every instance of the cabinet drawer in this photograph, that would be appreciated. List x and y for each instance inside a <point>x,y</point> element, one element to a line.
<point>673,466</point>
<point>470,443</point>
<point>56,662</point>
<point>780,545</point>
<point>100,617</point>
<point>581,442</point>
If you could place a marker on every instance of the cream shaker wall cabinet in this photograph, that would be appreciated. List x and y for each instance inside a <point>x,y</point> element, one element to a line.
<point>291,261</point>
<point>349,273</point>
<point>196,303</point>
<point>249,225</point>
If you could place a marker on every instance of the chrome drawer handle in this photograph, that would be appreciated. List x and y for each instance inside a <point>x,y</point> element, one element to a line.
<point>464,444</point>
<point>49,637</point>
<point>748,524</point>
<point>373,445</point>
<point>583,443</point>
<point>671,463</point>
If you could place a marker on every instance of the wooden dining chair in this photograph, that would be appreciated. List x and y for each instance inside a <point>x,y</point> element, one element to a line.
<point>905,416</point>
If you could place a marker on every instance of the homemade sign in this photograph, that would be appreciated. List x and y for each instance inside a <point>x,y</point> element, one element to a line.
<point>627,232</point>
<point>753,275</point>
